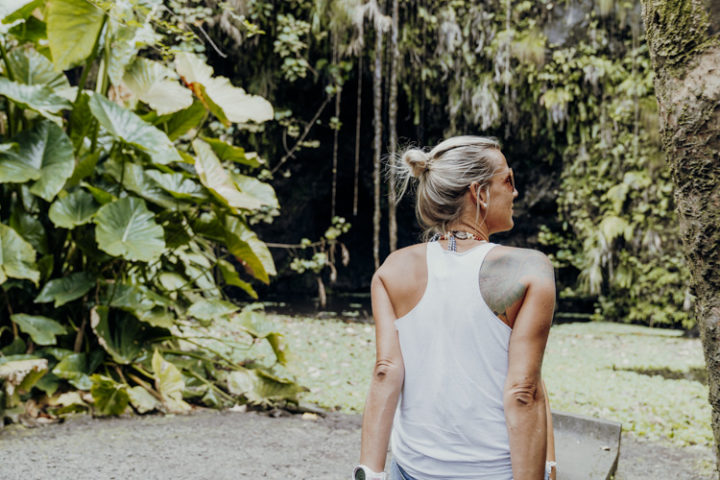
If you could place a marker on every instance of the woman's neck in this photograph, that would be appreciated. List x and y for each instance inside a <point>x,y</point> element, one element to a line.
<point>479,232</point>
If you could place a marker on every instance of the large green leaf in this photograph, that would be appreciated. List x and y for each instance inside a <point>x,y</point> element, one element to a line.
<point>218,181</point>
<point>231,153</point>
<point>231,277</point>
<point>111,397</point>
<point>31,68</point>
<point>142,400</point>
<point>179,123</point>
<point>45,154</point>
<point>252,253</point>
<point>72,27</point>
<point>177,185</point>
<point>131,129</point>
<point>126,228</point>
<point>66,289</point>
<point>262,191</point>
<point>76,208</point>
<point>236,104</point>
<point>158,86</point>
<point>132,177</point>
<point>39,98</point>
<point>211,309</point>
<point>42,330</point>
<point>169,383</point>
<point>120,335</point>
<point>30,228</point>
<point>74,369</point>
<point>17,257</point>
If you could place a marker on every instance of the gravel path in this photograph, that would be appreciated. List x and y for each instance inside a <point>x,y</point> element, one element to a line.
<point>227,445</point>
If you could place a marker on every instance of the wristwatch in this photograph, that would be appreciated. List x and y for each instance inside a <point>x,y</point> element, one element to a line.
<point>361,472</point>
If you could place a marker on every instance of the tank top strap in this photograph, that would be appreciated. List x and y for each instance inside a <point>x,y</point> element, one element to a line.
<point>444,265</point>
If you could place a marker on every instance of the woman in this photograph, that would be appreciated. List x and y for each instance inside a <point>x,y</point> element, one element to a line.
<point>461,328</point>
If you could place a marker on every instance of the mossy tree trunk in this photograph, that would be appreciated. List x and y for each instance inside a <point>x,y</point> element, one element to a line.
<point>684,41</point>
<point>377,142</point>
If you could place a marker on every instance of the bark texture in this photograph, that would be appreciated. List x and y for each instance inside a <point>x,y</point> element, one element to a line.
<point>377,143</point>
<point>684,41</point>
<point>392,125</point>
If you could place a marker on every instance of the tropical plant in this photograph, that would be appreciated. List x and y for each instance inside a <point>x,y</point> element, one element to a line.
<point>122,217</point>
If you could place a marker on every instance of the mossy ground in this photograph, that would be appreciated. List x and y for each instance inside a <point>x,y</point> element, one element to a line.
<point>618,372</point>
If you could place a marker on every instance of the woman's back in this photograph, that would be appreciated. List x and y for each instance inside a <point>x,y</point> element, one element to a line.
<point>450,422</point>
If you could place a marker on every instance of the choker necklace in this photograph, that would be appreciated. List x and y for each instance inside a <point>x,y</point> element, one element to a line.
<point>456,234</point>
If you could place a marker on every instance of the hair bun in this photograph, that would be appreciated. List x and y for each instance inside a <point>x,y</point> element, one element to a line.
<point>417,160</point>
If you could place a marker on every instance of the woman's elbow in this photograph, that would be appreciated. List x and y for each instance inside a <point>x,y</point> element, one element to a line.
<point>389,372</point>
<point>523,395</point>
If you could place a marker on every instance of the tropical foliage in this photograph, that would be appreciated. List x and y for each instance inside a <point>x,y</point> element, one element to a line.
<point>122,217</point>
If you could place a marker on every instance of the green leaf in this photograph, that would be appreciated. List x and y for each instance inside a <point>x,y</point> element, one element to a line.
<point>179,123</point>
<point>76,208</point>
<point>100,195</point>
<point>41,329</point>
<point>126,228</point>
<point>32,30</point>
<point>211,309</point>
<point>142,400</point>
<point>12,10</point>
<point>177,185</point>
<point>39,98</point>
<point>158,86</point>
<point>111,398</point>
<point>231,277</point>
<point>231,153</point>
<point>272,387</point>
<point>48,383</point>
<point>31,68</point>
<point>132,177</point>
<point>262,191</point>
<point>119,336</point>
<point>66,289</point>
<point>216,179</point>
<point>45,154</point>
<point>123,49</point>
<point>169,383</point>
<point>131,129</point>
<point>30,228</point>
<point>74,369</point>
<point>241,382</point>
<point>17,257</point>
<point>81,122</point>
<point>72,27</point>
<point>252,253</point>
<point>19,376</point>
<point>235,104</point>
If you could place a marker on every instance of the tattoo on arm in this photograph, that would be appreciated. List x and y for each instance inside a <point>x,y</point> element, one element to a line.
<point>500,278</point>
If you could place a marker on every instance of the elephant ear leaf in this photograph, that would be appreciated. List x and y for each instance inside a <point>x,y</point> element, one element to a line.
<point>169,383</point>
<point>126,228</point>
<point>131,129</point>
<point>17,257</point>
<point>72,210</point>
<point>41,329</point>
<point>72,27</point>
<point>45,154</point>
<point>39,98</point>
<point>66,289</point>
<point>111,397</point>
<point>19,376</point>
<point>118,338</point>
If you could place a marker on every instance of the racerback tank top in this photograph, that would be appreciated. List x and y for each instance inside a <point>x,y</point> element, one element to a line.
<point>450,420</point>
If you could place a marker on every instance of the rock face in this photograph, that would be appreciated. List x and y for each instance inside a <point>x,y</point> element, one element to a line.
<point>684,41</point>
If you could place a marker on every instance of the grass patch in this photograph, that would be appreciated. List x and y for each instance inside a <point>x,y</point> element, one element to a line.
<point>613,371</point>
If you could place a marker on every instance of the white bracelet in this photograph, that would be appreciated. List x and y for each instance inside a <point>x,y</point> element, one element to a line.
<point>369,474</point>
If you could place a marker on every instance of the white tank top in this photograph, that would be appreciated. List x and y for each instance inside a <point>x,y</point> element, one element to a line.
<point>450,420</point>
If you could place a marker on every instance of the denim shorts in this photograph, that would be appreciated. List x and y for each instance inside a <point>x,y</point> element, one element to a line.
<point>397,472</point>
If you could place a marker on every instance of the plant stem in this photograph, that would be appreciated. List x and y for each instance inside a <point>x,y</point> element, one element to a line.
<point>88,63</point>
<point>80,333</point>
<point>211,385</point>
<point>10,310</point>
<point>8,104</point>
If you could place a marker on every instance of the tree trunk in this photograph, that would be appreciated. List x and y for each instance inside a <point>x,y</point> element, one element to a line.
<point>392,125</point>
<point>358,122</point>
<point>377,143</point>
<point>683,37</point>
<point>336,127</point>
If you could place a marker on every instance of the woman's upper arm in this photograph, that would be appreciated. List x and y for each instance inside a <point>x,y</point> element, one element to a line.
<point>387,342</point>
<point>532,323</point>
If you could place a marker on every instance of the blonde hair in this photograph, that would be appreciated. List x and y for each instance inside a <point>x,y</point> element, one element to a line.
<point>444,175</point>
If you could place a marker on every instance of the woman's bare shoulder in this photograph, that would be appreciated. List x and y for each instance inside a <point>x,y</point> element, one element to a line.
<point>521,261</point>
<point>402,259</point>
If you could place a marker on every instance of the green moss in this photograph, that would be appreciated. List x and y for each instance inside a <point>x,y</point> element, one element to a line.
<point>677,30</point>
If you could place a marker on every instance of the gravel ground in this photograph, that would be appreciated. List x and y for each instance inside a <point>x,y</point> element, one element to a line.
<point>229,445</point>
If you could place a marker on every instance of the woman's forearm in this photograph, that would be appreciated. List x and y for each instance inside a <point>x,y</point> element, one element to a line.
<point>525,415</point>
<point>378,416</point>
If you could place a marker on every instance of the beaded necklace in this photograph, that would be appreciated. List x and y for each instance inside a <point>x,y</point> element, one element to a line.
<point>455,234</point>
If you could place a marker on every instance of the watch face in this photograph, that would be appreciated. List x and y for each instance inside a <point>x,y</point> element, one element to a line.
<point>360,474</point>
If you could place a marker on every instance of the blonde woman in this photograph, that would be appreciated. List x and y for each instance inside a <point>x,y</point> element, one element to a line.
<point>461,327</point>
